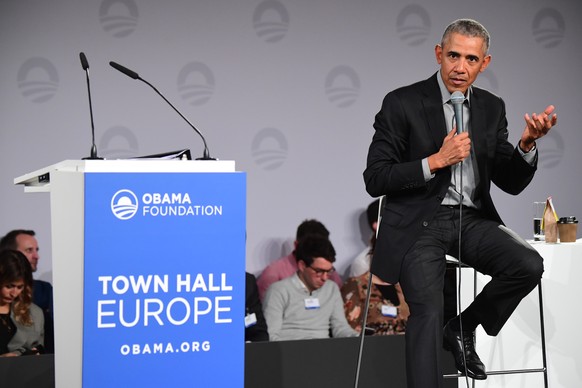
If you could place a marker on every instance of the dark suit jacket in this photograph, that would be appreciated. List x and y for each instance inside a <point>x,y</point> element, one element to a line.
<point>42,296</point>
<point>411,126</point>
<point>259,331</point>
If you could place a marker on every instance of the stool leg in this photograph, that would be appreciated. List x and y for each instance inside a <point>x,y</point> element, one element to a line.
<point>363,333</point>
<point>474,296</point>
<point>543,334</point>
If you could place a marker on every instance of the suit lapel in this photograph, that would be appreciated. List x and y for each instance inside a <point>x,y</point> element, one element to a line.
<point>433,110</point>
<point>478,128</point>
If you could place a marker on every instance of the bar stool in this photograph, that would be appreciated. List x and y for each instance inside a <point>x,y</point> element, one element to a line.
<point>544,369</point>
<point>452,261</point>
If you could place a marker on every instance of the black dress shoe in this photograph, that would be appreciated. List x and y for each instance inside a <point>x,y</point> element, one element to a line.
<point>452,341</point>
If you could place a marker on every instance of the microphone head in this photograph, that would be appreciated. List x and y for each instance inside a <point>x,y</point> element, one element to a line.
<point>457,98</point>
<point>124,70</point>
<point>84,62</point>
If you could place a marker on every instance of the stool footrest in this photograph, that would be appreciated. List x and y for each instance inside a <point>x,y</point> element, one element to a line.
<point>500,372</point>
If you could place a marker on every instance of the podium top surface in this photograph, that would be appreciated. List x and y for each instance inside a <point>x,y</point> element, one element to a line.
<point>39,180</point>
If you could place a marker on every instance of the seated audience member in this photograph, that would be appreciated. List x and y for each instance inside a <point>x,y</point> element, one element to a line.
<point>255,324</point>
<point>21,321</point>
<point>361,263</point>
<point>25,241</point>
<point>286,266</point>
<point>307,304</point>
<point>387,312</point>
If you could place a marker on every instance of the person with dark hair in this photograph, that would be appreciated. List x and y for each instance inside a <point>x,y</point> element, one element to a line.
<point>414,160</point>
<point>307,305</point>
<point>287,265</point>
<point>21,321</point>
<point>387,310</point>
<point>255,323</point>
<point>25,241</point>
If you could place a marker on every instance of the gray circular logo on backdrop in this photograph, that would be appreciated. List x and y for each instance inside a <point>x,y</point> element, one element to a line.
<point>548,27</point>
<point>551,154</point>
<point>118,143</point>
<point>271,21</point>
<point>196,83</point>
<point>269,148</point>
<point>413,25</point>
<point>342,86</point>
<point>118,17</point>
<point>38,79</point>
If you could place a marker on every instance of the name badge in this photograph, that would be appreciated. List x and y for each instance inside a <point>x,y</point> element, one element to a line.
<point>389,311</point>
<point>250,320</point>
<point>311,303</point>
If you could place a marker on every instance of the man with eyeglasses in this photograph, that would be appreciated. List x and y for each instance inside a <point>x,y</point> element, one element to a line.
<point>287,265</point>
<point>307,305</point>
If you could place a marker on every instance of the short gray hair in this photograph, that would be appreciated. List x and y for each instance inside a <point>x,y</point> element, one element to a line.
<point>467,27</point>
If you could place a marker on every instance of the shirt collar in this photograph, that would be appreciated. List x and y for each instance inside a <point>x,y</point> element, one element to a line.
<point>446,95</point>
<point>299,283</point>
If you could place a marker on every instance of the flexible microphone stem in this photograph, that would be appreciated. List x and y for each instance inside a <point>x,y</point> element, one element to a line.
<point>93,146</point>
<point>134,75</point>
<point>85,65</point>
<point>206,153</point>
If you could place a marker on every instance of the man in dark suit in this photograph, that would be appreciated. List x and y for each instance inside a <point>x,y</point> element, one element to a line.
<point>415,161</point>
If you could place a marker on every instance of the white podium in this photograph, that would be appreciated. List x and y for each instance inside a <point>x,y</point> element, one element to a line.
<point>66,183</point>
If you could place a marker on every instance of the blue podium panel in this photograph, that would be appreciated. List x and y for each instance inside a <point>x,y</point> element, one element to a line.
<point>164,280</point>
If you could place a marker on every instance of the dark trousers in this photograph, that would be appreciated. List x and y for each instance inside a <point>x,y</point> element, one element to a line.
<point>491,249</point>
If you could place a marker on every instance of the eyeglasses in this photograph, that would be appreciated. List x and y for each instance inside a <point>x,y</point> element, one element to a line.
<point>320,272</point>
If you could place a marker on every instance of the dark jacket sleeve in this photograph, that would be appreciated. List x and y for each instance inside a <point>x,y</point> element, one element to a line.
<point>392,165</point>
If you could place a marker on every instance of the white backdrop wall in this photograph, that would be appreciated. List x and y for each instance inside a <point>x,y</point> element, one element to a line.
<point>286,88</point>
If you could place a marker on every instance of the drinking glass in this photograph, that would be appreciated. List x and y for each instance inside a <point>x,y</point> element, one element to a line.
<point>538,215</point>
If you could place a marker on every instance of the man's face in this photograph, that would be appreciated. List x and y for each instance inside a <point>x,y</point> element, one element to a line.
<point>28,245</point>
<point>315,275</point>
<point>11,291</point>
<point>462,58</point>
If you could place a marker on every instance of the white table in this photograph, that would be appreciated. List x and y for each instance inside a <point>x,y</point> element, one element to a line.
<point>518,345</point>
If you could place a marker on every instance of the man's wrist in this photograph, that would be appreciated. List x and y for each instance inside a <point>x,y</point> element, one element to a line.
<point>434,163</point>
<point>526,147</point>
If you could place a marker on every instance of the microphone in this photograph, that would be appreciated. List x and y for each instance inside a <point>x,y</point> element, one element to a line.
<point>134,75</point>
<point>125,70</point>
<point>85,66</point>
<point>457,99</point>
<point>84,62</point>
